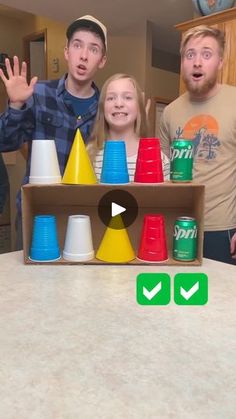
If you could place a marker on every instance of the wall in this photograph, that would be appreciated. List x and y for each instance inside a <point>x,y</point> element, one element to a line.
<point>37,60</point>
<point>126,54</point>
<point>56,40</point>
<point>165,60</point>
<point>164,83</point>
<point>10,36</point>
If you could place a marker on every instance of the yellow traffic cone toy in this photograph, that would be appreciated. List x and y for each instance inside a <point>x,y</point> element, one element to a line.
<point>79,169</point>
<point>115,246</point>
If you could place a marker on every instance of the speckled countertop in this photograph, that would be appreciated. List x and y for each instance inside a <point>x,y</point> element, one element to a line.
<point>74,344</point>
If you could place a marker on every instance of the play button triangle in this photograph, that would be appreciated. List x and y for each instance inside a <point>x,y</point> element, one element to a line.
<point>116,209</point>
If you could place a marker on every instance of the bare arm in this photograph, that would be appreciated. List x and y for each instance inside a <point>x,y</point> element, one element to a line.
<point>233,246</point>
<point>24,150</point>
<point>164,134</point>
<point>17,87</point>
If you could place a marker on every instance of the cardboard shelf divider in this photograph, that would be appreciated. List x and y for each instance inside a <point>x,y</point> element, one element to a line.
<point>170,199</point>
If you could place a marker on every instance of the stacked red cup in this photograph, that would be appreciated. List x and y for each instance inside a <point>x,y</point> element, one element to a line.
<point>153,246</point>
<point>149,163</point>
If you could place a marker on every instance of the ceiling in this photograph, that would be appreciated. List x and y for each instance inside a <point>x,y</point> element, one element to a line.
<point>120,16</point>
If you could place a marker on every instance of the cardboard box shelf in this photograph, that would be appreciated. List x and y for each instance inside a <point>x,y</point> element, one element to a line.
<point>170,199</point>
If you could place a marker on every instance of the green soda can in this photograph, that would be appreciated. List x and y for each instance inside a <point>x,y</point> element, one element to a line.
<point>185,239</point>
<point>181,160</point>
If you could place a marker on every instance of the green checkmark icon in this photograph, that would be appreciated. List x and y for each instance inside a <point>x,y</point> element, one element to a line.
<point>153,289</point>
<point>191,289</point>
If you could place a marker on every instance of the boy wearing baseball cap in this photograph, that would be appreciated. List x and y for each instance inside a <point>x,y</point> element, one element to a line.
<point>55,109</point>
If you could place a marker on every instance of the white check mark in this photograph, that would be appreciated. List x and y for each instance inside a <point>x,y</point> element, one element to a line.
<point>150,294</point>
<point>188,294</point>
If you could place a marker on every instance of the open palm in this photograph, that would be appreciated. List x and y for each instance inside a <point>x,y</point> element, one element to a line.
<point>17,87</point>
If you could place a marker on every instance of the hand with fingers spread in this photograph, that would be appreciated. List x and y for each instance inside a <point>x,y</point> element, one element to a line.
<point>148,106</point>
<point>18,89</point>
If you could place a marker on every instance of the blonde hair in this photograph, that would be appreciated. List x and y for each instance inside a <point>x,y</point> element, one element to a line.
<point>203,31</point>
<point>101,128</point>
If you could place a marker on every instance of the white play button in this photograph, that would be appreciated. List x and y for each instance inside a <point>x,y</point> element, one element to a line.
<point>116,209</point>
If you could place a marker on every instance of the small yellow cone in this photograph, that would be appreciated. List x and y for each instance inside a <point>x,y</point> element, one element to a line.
<point>79,169</point>
<point>115,246</point>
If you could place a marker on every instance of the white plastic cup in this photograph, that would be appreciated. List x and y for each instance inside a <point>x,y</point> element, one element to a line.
<point>44,166</point>
<point>78,242</point>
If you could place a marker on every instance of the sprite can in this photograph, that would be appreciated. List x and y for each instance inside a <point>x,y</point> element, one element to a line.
<point>181,160</point>
<point>185,239</point>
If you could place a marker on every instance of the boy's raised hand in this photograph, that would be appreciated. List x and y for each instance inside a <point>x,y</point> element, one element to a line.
<point>17,87</point>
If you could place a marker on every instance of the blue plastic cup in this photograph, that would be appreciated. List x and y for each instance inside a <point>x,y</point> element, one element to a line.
<point>44,246</point>
<point>114,166</point>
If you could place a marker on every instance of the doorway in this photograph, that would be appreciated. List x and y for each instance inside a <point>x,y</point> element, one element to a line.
<point>35,54</point>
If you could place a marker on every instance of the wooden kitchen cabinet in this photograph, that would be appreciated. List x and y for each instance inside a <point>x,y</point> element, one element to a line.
<point>225,21</point>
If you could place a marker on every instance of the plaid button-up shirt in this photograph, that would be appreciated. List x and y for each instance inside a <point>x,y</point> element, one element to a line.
<point>48,114</point>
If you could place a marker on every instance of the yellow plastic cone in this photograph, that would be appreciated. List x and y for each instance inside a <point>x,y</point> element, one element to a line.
<point>79,169</point>
<point>115,246</point>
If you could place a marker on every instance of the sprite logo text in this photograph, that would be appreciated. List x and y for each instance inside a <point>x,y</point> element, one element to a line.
<point>180,233</point>
<point>184,153</point>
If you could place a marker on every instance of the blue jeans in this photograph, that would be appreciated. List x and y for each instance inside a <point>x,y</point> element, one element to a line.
<point>216,246</point>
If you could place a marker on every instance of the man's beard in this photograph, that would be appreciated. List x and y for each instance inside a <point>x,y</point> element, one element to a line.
<point>201,89</point>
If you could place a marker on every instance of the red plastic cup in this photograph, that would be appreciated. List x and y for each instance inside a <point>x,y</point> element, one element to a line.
<point>150,147</point>
<point>149,164</point>
<point>153,246</point>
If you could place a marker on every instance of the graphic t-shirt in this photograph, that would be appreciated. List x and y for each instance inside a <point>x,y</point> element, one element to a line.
<point>211,125</point>
<point>80,105</point>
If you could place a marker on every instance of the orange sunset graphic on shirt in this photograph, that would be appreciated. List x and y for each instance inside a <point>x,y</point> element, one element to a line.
<point>203,131</point>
